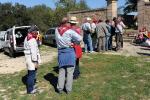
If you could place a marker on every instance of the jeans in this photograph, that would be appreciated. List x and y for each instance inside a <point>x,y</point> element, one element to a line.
<point>107,43</point>
<point>88,42</point>
<point>76,70</point>
<point>31,80</point>
<point>69,78</point>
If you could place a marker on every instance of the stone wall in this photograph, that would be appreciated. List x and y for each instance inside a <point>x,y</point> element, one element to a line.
<point>100,13</point>
<point>144,14</point>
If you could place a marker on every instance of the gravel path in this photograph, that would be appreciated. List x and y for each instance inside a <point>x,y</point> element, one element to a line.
<point>131,50</point>
<point>12,65</point>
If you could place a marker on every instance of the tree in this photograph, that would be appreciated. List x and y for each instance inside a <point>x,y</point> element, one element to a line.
<point>130,6</point>
<point>82,5</point>
<point>13,15</point>
<point>42,16</point>
<point>66,3</point>
<point>21,15</point>
<point>64,6</point>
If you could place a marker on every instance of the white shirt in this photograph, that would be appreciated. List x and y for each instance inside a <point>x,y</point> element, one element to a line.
<point>31,48</point>
<point>86,26</point>
<point>93,27</point>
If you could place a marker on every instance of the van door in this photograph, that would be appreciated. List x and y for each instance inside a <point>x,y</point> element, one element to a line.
<point>47,37</point>
<point>7,41</point>
<point>2,39</point>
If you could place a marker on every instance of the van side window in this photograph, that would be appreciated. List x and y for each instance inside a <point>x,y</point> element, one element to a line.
<point>48,32</point>
<point>52,31</point>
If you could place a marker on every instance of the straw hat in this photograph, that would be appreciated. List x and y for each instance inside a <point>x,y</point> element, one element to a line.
<point>88,19</point>
<point>73,20</point>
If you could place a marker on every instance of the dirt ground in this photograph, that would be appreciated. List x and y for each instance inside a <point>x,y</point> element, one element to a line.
<point>131,50</point>
<point>12,65</point>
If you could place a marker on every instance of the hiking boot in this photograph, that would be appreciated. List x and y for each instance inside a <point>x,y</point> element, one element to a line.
<point>91,51</point>
<point>59,91</point>
<point>33,91</point>
<point>68,92</point>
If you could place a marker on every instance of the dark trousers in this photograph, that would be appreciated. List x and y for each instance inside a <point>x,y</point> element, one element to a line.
<point>77,70</point>
<point>110,43</point>
<point>31,80</point>
<point>119,41</point>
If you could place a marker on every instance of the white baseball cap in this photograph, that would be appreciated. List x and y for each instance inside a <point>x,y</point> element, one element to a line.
<point>88,19</point>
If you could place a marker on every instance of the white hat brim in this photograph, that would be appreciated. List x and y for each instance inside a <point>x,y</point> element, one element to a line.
<point>73,22</point>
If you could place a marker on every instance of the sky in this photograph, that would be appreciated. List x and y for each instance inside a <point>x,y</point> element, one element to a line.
<point>51,3</point>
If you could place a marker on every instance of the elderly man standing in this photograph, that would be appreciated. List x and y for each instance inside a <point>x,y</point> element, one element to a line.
<point>101,30</point>
<point>87,31</point>
<point>66,54</point>
<point>32,58</point>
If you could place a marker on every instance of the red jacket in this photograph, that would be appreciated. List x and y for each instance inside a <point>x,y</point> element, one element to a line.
<point>78,49</point>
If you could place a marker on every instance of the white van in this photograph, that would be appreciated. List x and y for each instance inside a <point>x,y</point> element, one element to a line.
<point>2,38</point>
<point>14,39</point>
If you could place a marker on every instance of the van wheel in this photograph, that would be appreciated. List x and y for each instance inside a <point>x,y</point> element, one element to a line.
<point>11,53</point>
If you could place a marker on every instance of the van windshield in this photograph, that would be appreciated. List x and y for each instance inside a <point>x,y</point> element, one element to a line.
<point>20,35</point>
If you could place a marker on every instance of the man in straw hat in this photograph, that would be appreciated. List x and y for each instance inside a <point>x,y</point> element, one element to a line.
<point>78,50</point>
<point>66,54</point>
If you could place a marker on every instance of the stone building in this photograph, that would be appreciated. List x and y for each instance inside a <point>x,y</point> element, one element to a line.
<point>144,14</point>
<point>102,13</point>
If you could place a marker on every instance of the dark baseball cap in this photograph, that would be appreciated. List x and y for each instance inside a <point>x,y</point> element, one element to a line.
<point>33,28</point>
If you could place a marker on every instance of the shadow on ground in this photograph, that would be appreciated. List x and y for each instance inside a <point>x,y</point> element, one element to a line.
<point>15,55</point>
<point>144,54</point>
<point>56,69</point>
<point>52,80</point>
<point>145,48</point>
<point>24,79</point>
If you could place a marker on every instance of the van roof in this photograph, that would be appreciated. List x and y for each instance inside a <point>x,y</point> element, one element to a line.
<point>18,27</point>
<point>52,28</point>
<point>22,26</point>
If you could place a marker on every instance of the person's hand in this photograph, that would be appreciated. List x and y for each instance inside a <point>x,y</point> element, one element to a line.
<point>72,44</point>
<point>35,64</point>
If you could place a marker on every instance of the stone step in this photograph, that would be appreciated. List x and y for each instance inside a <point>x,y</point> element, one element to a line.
<point>127,40</point>
<point>125,37</point>
<point>133,35</point>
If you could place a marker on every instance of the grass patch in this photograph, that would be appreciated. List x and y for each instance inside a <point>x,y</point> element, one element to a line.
<point>103,77</point>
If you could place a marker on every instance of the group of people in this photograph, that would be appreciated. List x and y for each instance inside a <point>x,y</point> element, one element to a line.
<point>68,38</point>
<point>97,34</point>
